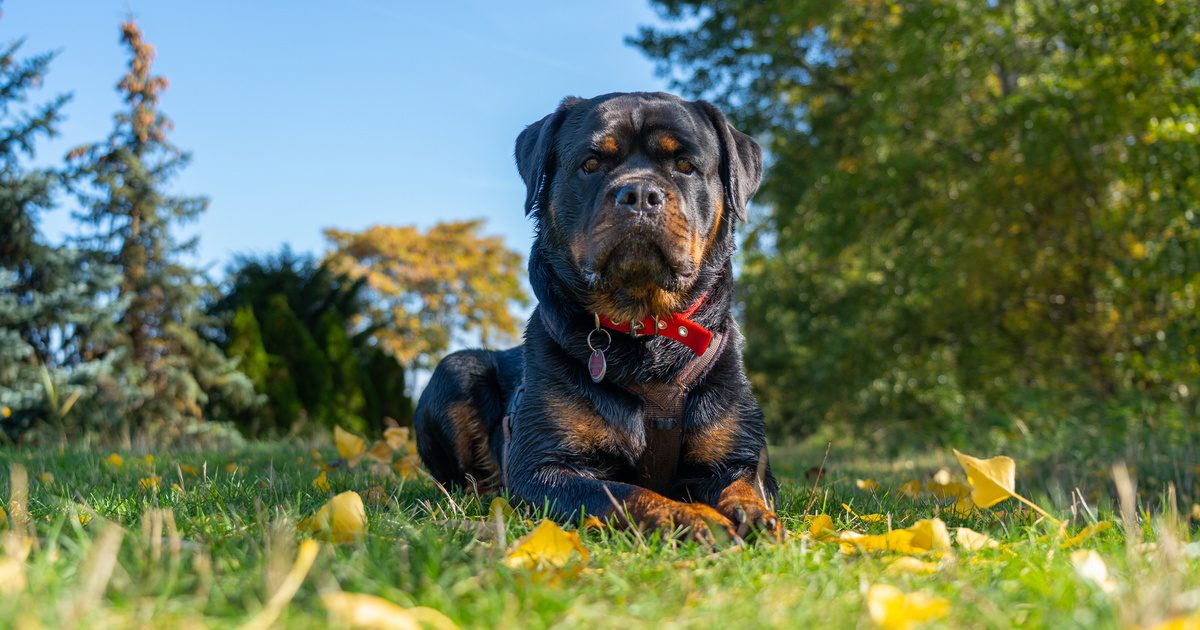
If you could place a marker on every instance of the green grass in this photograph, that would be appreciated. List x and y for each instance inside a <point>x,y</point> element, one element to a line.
<point>212,554</point>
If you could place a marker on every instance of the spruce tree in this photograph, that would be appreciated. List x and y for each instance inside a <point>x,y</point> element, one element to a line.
<point>167,372</point>
<point>48,295</point>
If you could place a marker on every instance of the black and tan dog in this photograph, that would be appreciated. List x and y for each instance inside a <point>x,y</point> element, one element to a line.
<point>628,398</point>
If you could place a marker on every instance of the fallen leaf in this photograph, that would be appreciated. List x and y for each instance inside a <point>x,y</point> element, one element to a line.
<point>232,468</point>
<point>349,446</point>
<point>381,453</point>
<point>408,467</point>
<point>894,609</point>
<point>499,508</point>
<point>963,507</point>
<point>870,485</point>
<point>149,459</point>
<point>114,460</point>
<point>994,480</point>
<point>188,469</point>
<point>821,528</point>
<point>342,519</point>
<point>909,564</point>
<point>972,540</point>
<point>357,610</point>
<point>547,547</point>
<point>1186,622</point>
<point>866,518</point>
<point>149,484</point>
<point>12,563</point>
<point>923,536</point>
<point>46,477</point>
<point>591,522</point>
<point>396,437</point>
<point>321,482</point>
<point>948,490</point>
<point>911,488</point>
<point>1085,533</point>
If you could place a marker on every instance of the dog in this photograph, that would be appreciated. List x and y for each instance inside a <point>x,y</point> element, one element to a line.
<point>628,400</point>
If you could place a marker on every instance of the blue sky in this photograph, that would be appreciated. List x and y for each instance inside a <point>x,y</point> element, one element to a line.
<point>305,115</point>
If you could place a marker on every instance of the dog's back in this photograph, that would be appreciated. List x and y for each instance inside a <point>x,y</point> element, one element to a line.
<point>458,418</point>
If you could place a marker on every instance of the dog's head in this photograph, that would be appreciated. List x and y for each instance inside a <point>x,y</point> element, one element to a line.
<point>636,195</point>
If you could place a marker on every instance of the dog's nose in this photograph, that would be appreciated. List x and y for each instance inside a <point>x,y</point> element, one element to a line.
<point>640,197</point>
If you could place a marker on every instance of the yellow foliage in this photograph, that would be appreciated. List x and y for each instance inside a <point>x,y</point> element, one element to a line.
<point>546,548</point>
<point>893,609</point>
<point>342,519</point>
<point>356,610</point>
<point>349,446</point>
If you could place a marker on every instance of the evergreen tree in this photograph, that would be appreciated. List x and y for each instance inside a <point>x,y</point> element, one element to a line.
<point>48,295</point>
<point>167,373</point>
<point>285,336</point>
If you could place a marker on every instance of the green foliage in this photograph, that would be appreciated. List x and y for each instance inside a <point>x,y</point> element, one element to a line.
<point>165,374</point>
<point>981,216</point>
<point>285,336</point>
<point>50,297</point>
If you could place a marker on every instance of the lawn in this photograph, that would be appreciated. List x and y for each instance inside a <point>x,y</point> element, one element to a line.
<point>207,539</point>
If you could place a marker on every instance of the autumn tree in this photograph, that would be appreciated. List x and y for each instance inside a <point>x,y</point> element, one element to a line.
<point>167,373</point>
<point>979,216</point>
<point>448,284</point>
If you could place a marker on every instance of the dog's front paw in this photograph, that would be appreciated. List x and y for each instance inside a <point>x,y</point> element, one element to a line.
<point>749,513</point>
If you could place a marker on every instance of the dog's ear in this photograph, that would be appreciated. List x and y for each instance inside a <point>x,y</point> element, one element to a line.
<point>535,155</point>
<point>741,161</point>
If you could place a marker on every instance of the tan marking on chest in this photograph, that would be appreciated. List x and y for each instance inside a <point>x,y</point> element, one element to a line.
<point>711,443</point>
<point>584,430</point>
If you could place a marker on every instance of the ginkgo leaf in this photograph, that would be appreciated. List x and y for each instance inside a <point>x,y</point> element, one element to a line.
<point>500,509</point>
<point>994,480</point>
<point>114,460</point>
<point>972,540</point>
<point>893,609</point>
<point>911,488</point>
<point>349,446</point>
<point>923,536</point>
<point>870,485</point>
<point>357,610</point>
<point>1186,622</point>
<point>148,484</point>
<point>189,470</point>
<point>909,564</point>
<point>866,518</point>
<point>408,467</point>
<point>547,547</point>
<point>321,482</point>
<point>342,519</point>
<point>396,438</point>
<point>821,527</point>
<point>381,453</point>
<point>948,490</point>
<point>1085,533</point>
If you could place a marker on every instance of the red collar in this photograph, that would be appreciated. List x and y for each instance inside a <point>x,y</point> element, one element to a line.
<point>678,327</point>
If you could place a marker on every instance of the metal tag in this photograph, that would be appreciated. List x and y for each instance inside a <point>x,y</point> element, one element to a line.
<point>597,365</point>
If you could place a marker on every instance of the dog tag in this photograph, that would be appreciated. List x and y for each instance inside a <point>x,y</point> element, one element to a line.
<point>597,365</point>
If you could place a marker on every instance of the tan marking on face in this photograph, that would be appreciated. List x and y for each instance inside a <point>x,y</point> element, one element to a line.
<point>712,443</point>
<point>608,145</point>
<point>718,216</point>
<point>668,143</point>
<point>471,446</point>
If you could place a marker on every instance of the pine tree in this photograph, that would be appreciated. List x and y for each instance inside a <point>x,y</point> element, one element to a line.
<point>285,336</point>
<point>48,295</point>
<point>167,372</point>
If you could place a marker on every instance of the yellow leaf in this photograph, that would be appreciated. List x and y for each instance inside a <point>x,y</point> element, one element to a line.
<point>923,536</point>
<point>151,483</point>
<point>893,609</point>
<point>500,509</point>
<point>546,547</point>
<point>821,527</point>
<point>396,438</point>
<point>911,488</point>
<point>46,477</point>
<point>114,460</point>
<point>591,522</point>
<point>866,518</point>
<point>909,564</point>
<point>408,467</point>
<point>948,490</point>
<point>342,519</point>
<point>176,488</point>
<point>349,446</point>
<point>381,453</point>
<point>356,610</point>
<point>963,507</point>
<point>321,482</point>
<point>188,469</point>
<point>149,459</point>
<point>232,468</point>
<point>994,480</point>
<point>1090,566</point>
<point>3,517</point>
<point>870,485</point>
<point>1186,622</point>
<point>1086,533</point>
<point>972,540</point>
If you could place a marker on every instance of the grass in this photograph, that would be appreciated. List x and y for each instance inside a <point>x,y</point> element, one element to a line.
<point>211,552</point>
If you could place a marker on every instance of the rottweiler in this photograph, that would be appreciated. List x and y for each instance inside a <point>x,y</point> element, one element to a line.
<point>628,400</point>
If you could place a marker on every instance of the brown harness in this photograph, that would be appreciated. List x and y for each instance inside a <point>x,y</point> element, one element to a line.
<point>663,416</point>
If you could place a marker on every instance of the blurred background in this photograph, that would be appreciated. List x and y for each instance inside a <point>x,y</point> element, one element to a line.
<point>979,221</point>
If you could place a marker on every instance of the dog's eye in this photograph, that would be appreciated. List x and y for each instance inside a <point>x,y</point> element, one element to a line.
<point>591,165</point>
<point>684,166</point>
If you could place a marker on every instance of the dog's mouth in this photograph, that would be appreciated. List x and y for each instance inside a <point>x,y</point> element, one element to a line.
<point>635,275</point>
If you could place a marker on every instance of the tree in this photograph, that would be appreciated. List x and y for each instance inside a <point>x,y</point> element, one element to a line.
<point>167,372</point>
<point>434,288</point>
<point>49,296</point>
<point>981,215</point>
